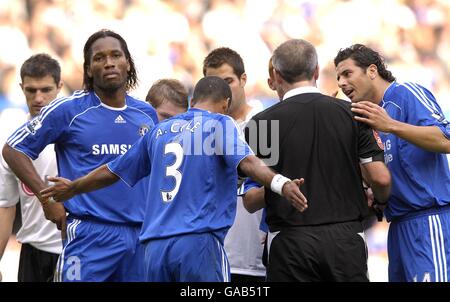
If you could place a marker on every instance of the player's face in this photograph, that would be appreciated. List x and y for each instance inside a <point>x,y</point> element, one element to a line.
<point>39,92</point>
<point>108,65</point>
<point>168,109</point>
<point>354,81</point>
<point>236,84</point>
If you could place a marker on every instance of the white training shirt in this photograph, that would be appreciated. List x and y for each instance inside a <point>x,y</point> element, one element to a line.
<point>244,241</point>
<point>36,230</point>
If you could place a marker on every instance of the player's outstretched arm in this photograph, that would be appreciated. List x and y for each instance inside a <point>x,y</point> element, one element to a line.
<point>258,171</point>
<point>64,189</point>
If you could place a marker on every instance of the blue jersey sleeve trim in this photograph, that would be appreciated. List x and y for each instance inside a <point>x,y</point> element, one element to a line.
<point>19,135</point>
<point>445,130</point>
<point>115,173</point>
<point>243,157</point>
<point>24,152</point>
<point>247,186</point>
<point>418,92</point>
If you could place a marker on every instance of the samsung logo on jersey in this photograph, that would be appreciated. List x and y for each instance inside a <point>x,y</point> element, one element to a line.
<point>110,149</point>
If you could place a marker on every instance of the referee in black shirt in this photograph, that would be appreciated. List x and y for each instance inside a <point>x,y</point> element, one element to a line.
<point>321,142</point>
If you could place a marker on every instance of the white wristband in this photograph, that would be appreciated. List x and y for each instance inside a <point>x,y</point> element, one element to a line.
<point>277,183</point>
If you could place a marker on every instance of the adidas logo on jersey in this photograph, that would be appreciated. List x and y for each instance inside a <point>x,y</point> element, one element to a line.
<point>120,120</point>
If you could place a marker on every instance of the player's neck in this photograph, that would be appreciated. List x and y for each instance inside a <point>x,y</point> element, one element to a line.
<point>112,98</point>
<point>240,113</point>
<point>381,87</point>
<point>205,106</point>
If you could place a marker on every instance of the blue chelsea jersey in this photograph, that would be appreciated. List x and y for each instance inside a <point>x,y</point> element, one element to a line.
<point>192,160</point>
<point>420,179</point>
<point>87,134</point>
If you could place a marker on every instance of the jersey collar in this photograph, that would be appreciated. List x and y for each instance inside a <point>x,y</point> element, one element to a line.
<point>387,93</point>
<point>109,107</point>
<point>300,90</point>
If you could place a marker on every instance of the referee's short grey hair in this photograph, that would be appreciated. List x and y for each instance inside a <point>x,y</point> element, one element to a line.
<point>295,60</point>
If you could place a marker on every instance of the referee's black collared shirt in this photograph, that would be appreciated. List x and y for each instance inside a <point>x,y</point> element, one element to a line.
<point>320,141</point>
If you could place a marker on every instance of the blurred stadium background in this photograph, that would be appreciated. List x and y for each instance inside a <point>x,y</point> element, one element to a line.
<point>171,38</point>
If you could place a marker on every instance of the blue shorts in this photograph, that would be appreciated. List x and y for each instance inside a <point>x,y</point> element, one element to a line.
<point>419,247</point>
<point>97,252</point>
<point>186,258</point>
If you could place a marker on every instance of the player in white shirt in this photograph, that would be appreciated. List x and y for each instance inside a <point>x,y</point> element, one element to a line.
<point>40,238</point>
<point>244,241</point>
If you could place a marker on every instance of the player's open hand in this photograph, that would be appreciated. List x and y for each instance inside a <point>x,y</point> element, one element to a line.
<point>61,190</point>
<point>373,115</point>
<point>291,191</point>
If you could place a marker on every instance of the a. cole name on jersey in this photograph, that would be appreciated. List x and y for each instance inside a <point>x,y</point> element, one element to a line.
<point>110,149</point>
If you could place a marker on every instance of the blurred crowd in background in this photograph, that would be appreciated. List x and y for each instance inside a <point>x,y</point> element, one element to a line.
<point>169,39</point>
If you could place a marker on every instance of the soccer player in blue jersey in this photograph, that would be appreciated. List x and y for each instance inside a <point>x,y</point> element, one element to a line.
<point>193,162</point>
<point>90,128</point>
<point>243,241</point>
<point>416,136</point>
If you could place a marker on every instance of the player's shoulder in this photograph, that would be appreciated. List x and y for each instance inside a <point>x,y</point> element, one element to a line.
<point>142,106</point>
<point>398,91</point>
<point>223,119</point>
<point>136,102</point>
<point>77,101</point>
<point>413,90</point>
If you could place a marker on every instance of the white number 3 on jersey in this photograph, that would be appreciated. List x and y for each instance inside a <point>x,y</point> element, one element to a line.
<point>173,171</point>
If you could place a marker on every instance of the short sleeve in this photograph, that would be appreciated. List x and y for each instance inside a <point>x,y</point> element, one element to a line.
<point>46,128</point>
<point>247,186</point>
<point>230,142</point>
<point>422,108</point>
<point>370,146</point>
<point>9,186</point>
<point>135,164</point>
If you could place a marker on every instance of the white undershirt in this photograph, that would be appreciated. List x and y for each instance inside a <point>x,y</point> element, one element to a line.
<point>36,230</point>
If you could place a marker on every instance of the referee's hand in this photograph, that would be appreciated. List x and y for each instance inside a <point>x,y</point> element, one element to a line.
<point>291,191</point>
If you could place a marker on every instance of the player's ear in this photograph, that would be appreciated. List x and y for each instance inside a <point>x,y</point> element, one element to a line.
<point>372,71</point>
<point>277,77</point>
<point>59,86</point>
<point>316,73</point>
<point>89,71</point>
<point>270,83</point>
<point>225,105</point>
<point>243,79</point>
